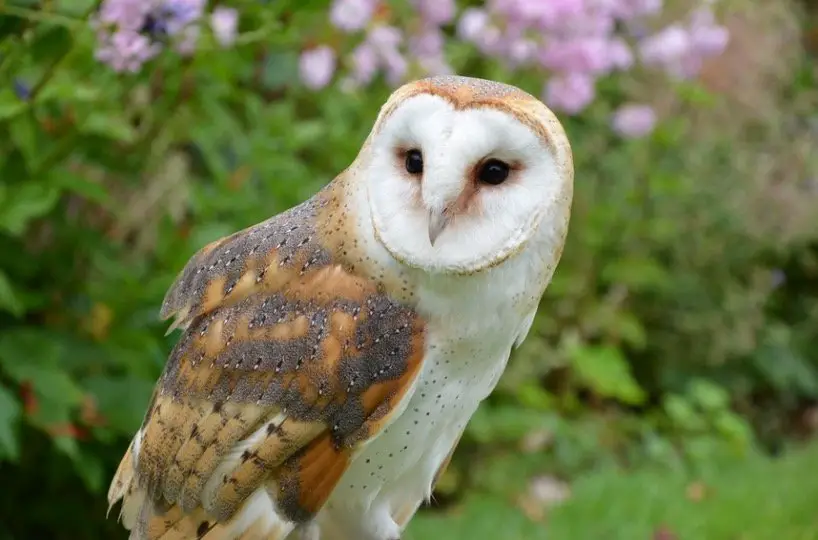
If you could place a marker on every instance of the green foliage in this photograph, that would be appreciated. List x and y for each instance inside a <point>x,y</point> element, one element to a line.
<point>678,333</point>
<point>757,499</point>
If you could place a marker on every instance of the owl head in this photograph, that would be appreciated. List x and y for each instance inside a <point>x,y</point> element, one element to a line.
<point>463,173</point>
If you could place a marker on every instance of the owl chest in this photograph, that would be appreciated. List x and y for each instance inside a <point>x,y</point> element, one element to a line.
<point>397,469</point>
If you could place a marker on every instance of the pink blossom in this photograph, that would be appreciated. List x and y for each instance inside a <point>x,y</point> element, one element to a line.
<point>428,42</point>
<point>395,65</point>
<point>435,65</point>
<point>472,23</point>
<point>536,13</point>
<point>620,54</point>
<point>707,38</point>
<point>427,47</point>
<point>131,32</point>
<point>126,50</point>
<point>352,15</point>
<point>666,46</point>
<point>521,51</point>
<point>570,92</point>
<point>633,120</point>
<point>122,14</point>
<point>628,9</point>
<point>475,25</point>
<point>224,22</point>
<point>365,63</point>
<point>385,37</point>
<point>436,12</point>
<point>316,67</point>
<point>588,55</point>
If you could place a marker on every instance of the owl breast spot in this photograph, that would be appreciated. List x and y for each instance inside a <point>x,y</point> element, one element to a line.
<point>394,473</point>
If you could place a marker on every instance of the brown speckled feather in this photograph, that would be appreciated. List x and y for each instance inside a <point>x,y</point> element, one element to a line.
<point>288,360</point>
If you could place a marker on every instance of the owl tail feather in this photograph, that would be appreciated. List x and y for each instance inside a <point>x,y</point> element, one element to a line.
<point>257,520</point>
<point>253,522</point>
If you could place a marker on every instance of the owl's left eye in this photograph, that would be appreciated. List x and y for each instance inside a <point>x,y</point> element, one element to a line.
<point>493,172</point>
<point>414,162</point>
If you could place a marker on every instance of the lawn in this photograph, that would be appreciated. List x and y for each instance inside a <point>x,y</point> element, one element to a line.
<point>759,499</point>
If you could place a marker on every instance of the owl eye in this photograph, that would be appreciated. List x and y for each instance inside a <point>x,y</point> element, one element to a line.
<point>414,162</point>
<point>493,172</point>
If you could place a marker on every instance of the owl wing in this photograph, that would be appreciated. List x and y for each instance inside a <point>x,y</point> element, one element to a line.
<point>288,362</point>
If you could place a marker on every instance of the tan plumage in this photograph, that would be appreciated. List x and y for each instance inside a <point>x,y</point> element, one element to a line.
<point>303,339</point>
<point>274,329</point>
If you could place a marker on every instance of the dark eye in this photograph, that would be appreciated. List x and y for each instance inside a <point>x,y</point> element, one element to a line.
<point>414,162</point>
<point>493,172</point>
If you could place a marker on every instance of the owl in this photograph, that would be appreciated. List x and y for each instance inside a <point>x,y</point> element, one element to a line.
<point>331,356</point>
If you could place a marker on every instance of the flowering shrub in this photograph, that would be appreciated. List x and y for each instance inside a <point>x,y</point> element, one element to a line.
<point>572,43</point>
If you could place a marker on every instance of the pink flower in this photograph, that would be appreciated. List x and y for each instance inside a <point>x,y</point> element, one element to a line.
<point>437,12</point>
<point>666,46</point>
<point>130,32</point>
<point>475,26</point>
<point>707,38</point>
<point>352,15</point>
<point>435,65</point>
<point>316,67</point>
<point>569,92</point>
<point>628,9</point>
<point>224,22</point>
<point>396,66</point>
<point>429,42</point>
<point>633,120</point>
<point>521,51</point>
<point>472,23</point>
<point>122,14</point>
<point>537,13</point>
<point>365,63</point>
<point>126,50</point>
<point>385,37</point>
<point>588,55</point>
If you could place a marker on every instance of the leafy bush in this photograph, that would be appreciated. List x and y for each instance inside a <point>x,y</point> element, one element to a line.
<point>679,328</point>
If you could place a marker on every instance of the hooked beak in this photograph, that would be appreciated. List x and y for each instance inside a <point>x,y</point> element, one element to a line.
<point>437,222</point>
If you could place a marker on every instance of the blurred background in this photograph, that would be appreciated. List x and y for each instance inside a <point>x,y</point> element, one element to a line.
<point>669,387</point>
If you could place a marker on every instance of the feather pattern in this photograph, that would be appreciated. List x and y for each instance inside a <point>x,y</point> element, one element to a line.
<point>288,362</point>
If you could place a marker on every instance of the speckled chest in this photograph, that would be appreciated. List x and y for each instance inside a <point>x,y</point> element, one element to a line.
<point>464,359</point>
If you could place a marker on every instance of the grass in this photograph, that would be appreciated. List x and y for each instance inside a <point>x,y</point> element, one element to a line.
<point>759,499</point>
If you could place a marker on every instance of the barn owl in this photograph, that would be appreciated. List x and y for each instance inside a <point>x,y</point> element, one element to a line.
<point>332,355</point>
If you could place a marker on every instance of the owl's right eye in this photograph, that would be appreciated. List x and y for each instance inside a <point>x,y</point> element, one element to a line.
<point>414,162</point>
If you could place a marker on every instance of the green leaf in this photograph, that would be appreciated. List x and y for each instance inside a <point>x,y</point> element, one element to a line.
<point>10,413</point>
<point>10,104</point>
<point>498,424</point>
<point>25,202</point>
<point>49,382</point>
<point>682,413</point>
<point>70,89</point>
<point>52,42</point>
<point>24,133</point>
<point>605,370</point>
<point>75,183</point>
<point>636,272</point>
<point>122,401</point>
<point>90,469</point>
<point>708,395</point>
<point>108,124</point>
<point>28,345</point>
<point>8,299</point>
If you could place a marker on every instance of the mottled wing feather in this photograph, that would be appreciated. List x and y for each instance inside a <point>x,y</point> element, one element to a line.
<point>287,362</point>
<point>264,256</point>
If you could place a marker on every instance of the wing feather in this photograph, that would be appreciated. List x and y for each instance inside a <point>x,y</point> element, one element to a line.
<point>288,362</point>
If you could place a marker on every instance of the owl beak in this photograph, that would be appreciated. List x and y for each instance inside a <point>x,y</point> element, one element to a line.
<point>437,222</point>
